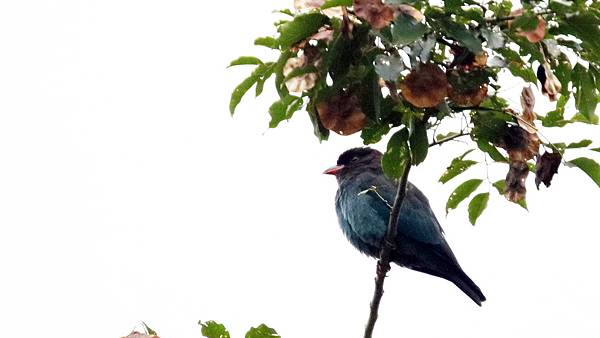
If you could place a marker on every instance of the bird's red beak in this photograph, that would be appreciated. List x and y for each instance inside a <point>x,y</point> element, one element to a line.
<point>333,170</point>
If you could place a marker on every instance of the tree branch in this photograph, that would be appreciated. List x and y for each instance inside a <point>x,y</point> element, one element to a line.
<point>383,264</point>
<point>436,143</point>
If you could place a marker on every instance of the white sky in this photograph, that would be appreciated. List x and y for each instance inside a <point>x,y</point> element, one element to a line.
<point>128,193</point>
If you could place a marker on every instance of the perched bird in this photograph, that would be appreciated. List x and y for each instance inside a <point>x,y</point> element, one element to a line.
<point>363,215</point>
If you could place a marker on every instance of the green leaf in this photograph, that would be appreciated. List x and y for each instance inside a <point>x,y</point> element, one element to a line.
<point>589,166</point>
<point>477,206</point>
<point>419,144</point>
<point>300,28</point>
<point>440,137</point>
<point>260,83</point>
<point>396,155</point>
<point>319,130</point>
<point>407,30</point>
<point>262,331</point>
<point>373,132</point>
<point>491,150</point>
<point>463,35</point>
<point>501,187</point>
<point>596,149</point>
<point>336,3</point>
<point>585,26</point>
<point>585,97</point>
<point>457,167</point>
<point>525,22</point>
<point>244,86</point>
<point>279,83</point>
<point>267,41</point>
<point>517,66</point>
<point>245,60</point>
<point>279,109</point>
<point>580,144</point>
<point>210,329</point>
<point>461,193</point>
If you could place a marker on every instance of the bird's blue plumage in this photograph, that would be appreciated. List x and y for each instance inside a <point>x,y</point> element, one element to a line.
<point>363,204</point>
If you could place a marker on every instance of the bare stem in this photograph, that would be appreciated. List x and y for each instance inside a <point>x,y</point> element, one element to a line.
<point>383,264</point>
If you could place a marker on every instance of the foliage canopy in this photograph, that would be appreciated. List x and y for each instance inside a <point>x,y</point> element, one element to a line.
<point>408,66</point>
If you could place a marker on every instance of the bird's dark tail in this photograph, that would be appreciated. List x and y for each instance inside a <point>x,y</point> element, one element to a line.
<point>466,285</point>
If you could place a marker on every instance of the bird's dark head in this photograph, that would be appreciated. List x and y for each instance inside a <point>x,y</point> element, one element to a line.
<point>356,160</point>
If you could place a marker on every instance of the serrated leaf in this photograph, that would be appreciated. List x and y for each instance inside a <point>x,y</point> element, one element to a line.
<point>407,30</point>
<point>477,206</point>
<point>245,60</point>
<point>262,331</point>
<point>589,166</point>
<point>303,26</point>
<point>457,167</point>
<point>211,329</point>
<point>419,144</point>
<point>336,3</point>
<point>279,110</point>
<point>267,41</point>
<point>461,193</point>
<point>396,155</point>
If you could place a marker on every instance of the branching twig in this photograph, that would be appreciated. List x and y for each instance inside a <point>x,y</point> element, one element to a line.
<point>383,265</point>
<point>444,140</point>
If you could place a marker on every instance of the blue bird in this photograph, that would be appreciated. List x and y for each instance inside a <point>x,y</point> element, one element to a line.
<point>363,216</point>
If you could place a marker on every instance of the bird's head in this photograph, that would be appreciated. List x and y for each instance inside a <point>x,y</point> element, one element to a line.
<point>354,161</point>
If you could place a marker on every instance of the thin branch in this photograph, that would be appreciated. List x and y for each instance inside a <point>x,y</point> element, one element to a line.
<point>437,143</point>
<point>512,17</point>
<point>373,189</point>
<point>383,265</point>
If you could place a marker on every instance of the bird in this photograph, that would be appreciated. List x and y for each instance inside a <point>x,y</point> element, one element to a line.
<point>363,205</point>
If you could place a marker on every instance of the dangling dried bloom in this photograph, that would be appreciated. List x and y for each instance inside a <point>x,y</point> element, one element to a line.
<point>374,12</point>
<point>425,87</point>
<point>342,114</point>
<point>299,83</point>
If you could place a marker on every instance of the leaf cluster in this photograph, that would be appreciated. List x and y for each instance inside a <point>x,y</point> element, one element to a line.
<point>406,67</point>
<point>212,329</point>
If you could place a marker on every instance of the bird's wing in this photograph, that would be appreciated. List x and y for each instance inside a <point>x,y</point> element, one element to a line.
<point>416,221</point>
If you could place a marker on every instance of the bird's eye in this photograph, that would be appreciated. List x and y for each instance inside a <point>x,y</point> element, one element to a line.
<point>354,159</point>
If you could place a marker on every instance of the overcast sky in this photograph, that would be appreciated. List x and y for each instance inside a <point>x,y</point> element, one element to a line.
<point>128,193</point>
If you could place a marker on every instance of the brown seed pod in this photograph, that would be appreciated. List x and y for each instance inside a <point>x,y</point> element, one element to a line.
<point>342,114</point>
<point>425,87</point>
<point>468,99</point>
